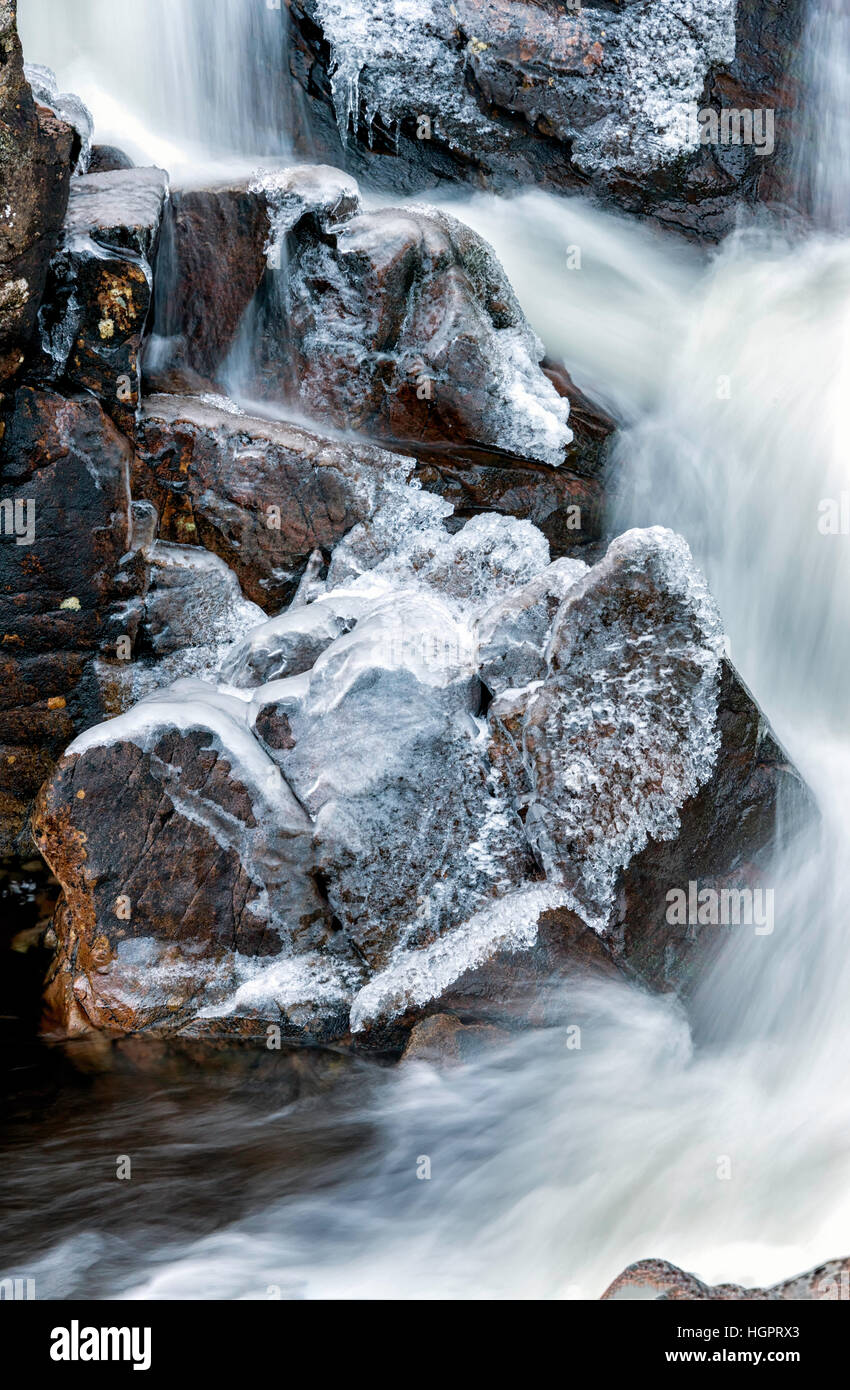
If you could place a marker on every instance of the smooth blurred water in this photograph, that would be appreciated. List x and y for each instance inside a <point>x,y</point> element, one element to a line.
<point>198,87</point>
<point>553,1168</point>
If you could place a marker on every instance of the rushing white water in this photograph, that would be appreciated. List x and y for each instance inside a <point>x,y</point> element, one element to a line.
<point>185,84</point>
<point>552,1168</point>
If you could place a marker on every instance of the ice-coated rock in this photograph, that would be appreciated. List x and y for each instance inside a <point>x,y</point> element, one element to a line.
<point>262,495</point>
<point>399,323</point>
<point>318,190</point>
<point>537,91</point>
<point>373,847</point>
<point>621,730</point>
<point>66,106</point>
<point>209,871</point>
<point>99,288</point>
<point>513,634</point>
<point>385,755</point>
<point>291,643</point>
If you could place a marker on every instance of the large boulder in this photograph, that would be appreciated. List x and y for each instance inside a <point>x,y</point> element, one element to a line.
<point>262,495</point>
<point>403,325</point>
<point>36,151</point>
<point>398,323</point>
<point>203,876</point>
<point>601,97</point>
<point>441,851</point>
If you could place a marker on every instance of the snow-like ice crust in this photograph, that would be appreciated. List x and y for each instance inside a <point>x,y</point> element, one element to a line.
<point>623,730</point>
<point>191,705</point>
<point>646,67</point>
<point>66,105</point>
<point>414,978</point>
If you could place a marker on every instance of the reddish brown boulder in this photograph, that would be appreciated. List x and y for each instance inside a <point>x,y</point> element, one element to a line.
<point>183,859</point>
<point>35,172</point>
<point>640,760</point>
<point>210,264</point>
<point>262,495</point>
<point>402,324</point>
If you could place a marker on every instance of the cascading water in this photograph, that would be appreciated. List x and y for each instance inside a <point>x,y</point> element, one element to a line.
<point>551,1168</point>
<point>184,83</point>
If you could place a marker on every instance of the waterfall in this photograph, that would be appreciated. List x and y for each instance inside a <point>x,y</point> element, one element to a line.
<point>553,1169</point>
<point>179,82</point>
<point>822,138</point>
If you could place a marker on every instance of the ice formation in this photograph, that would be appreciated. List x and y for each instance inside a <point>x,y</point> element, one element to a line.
<point>645,67</point>
<point>622,731</point>
<point>354,721</point>
<point>66,105</point>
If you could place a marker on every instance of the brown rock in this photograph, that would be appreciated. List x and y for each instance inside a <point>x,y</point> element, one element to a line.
<point>210,264</point>
<point>536,93</point>
<point>35,173</point>
<point>261,495</point>
<point>402,324</point>
<point>99,289</point>
<point>66,590</point>
<point>173,850</point>
<point>443,1039</point>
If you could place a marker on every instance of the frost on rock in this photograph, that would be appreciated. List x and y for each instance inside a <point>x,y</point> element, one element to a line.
<point>291,643</point>
<point>402,324</point>
<point>384,753</point>
<point>622,730</point>
<point>68,107</point>
<point>194,612</point>
<point>414,978</point>
<point>290,194</point>
<point>663,52</point>
<point>644,67</point>
<point>512,635</point>
<point>396,56</point>
<point>336,778</point>
<point>408,545</point>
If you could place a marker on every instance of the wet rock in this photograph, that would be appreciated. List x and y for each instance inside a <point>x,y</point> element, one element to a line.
<point>385,712</point>
<point>639,758</point>
<point>68,583</point>
<point>728,833</point>
<point>513,635</point>
<point>461,863</point>
<point>658,1279</point>
<point>515,93</point>
<point>567,507</point>
<point>402,324</point>
<point>35,172</point>
<point>67,107</point>
<point>164,921</point>
<point>105,159</point>
<point>443,1039</point>
<point>261,495</point>
<point>99,289</point>
<point>211,260</point>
